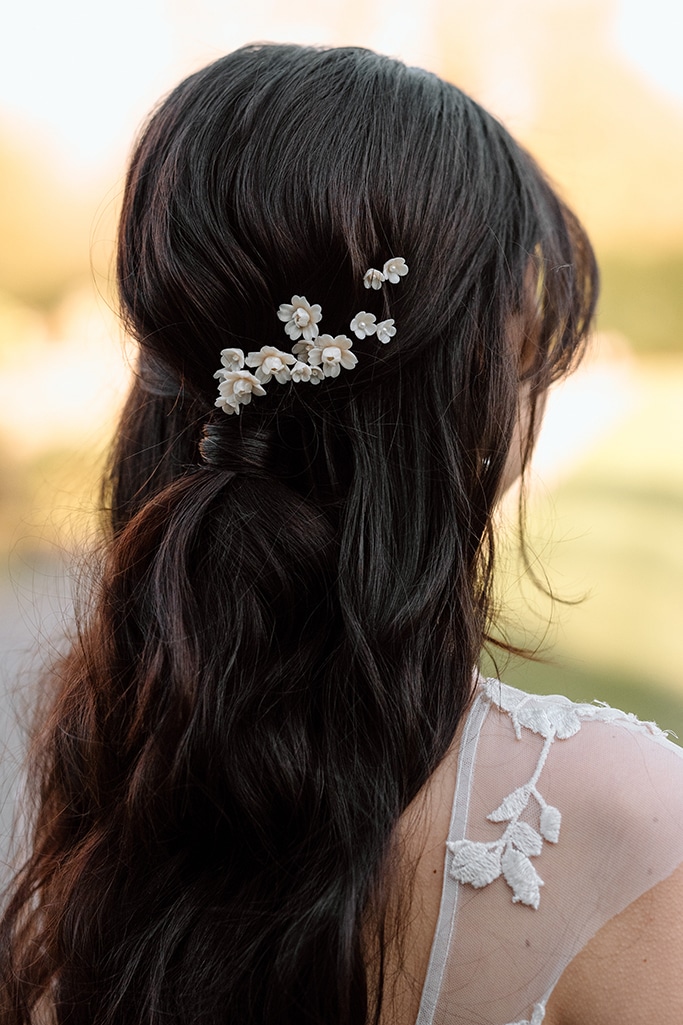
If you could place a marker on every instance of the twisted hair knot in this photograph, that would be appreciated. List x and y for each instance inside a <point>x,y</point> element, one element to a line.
<point>223,448</point>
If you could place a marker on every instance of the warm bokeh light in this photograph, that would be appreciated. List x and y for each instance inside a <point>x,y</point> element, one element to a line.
<point>594,88</point>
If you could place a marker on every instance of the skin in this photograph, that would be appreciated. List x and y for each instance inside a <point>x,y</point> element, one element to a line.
<point>630,972</point>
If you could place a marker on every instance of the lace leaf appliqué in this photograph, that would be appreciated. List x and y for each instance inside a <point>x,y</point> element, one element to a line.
<point>553,717</point>
<point>479,863</point>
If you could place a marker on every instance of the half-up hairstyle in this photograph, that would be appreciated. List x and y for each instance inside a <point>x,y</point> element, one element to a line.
<point>292,601</point>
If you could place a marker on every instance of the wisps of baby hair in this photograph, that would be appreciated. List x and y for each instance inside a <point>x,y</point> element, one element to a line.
<point>325,354</point>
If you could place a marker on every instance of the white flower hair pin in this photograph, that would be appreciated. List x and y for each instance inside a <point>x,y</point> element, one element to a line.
<point>301,318</point>
<point>393,270</point>
<point>313,356</point>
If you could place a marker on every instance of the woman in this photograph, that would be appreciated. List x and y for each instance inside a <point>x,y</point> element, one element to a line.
<point>272,787</point>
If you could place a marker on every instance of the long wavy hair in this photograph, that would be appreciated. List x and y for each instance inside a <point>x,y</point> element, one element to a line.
<point>281,641</point>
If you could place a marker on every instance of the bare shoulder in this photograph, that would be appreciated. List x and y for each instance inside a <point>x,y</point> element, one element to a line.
<point>415,892</point>
<point>630,971</point>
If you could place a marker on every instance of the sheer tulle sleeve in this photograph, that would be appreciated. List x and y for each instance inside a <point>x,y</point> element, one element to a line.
<point>563,815</point>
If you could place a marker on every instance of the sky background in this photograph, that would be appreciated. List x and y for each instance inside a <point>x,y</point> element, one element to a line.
<point>81,75</point>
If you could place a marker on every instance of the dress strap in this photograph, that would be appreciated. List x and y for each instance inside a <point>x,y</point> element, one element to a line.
<point>445,928</point>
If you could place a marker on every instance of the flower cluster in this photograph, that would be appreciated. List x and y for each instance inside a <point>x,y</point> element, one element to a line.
<point>313,356</point>
<point>393,270</point>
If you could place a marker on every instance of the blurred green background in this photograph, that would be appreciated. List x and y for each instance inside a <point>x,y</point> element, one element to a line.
<point>594,89</point>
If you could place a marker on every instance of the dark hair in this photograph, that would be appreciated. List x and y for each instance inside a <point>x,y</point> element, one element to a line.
<point>282,641</point>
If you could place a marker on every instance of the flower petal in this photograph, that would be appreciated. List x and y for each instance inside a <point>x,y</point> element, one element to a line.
<point>232,359</point>
<point>310,332</point>
<point>348,360</point>
<point>292,330</point>
<point>386,331</point>
<point>373,278</point>
<point>394,269</point>
<point>363,324</point>
<point>227,406</point>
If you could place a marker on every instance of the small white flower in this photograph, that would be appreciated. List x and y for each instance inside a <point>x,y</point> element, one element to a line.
<point>332,353</point>
<point>235,389</point>
<point>301,372</point>
<point>373,278</point>
<point>305,372</point>
<point>232,359</point>
<point>363,324</point>
<point>301,318</point>
<point>395,269</point>
<point>386,331</point>
<point>271,362</point>
<point>302,348</point>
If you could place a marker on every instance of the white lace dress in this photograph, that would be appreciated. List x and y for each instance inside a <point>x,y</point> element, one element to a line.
<point>563,815</point>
